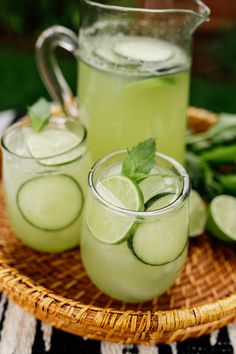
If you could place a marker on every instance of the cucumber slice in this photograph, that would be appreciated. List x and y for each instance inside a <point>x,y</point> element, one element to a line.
<point>108,226</point>
<point>160,201</point>
<point>158,242</point>
<point>51,202</point>
<point>155,185</point>
<point>55,147</point>
<point>52,142</point>
<point>105,52</point>
<point>66,158</point>
<point>144,49</point>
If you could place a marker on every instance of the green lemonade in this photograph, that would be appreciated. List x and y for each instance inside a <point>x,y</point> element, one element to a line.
<point>135,258</point>
<point>126,94</point>
<point>45,196</point>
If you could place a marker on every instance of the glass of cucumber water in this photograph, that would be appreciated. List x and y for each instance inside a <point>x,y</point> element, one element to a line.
<point>45,177</point>
<point>134,239</point>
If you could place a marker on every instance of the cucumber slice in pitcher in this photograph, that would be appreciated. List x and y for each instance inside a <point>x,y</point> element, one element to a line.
<point>50,202</point>
<point>144,49</point>
<point>105,52</point>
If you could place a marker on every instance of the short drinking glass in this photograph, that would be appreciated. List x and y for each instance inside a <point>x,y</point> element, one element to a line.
<point>45,177</point>
<point>133,255</point>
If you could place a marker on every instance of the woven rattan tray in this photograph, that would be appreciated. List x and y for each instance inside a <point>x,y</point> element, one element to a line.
<point>56,289</point>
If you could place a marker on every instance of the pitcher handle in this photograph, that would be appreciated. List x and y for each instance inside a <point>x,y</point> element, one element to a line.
<point>48,41</point>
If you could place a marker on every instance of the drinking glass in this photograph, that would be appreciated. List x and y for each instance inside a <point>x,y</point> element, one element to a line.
<point>146,262</point>
<point>45,196</point>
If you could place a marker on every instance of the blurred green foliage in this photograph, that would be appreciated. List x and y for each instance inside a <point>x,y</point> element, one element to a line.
<point>27,16</point>
<point>223,50</point>
<point>20,83</point>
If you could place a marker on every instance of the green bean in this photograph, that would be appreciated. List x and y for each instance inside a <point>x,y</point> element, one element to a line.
<point>228,183</point>
<point>221,154</point>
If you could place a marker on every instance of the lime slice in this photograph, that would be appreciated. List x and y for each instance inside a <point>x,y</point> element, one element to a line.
<point>147,84</point>
<point>53,142</point>
<point>109,226</point>
<point>144,49</point>
<point>221,220</point>
<point>197,214</point>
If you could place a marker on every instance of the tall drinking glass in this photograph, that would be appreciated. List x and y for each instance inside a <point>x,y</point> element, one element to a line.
<point>134,61</point>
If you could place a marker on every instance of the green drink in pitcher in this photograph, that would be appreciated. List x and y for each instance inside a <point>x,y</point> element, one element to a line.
<point>134,60</point>
<point>131,88</point>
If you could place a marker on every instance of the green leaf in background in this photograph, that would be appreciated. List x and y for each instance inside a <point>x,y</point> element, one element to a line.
<point>39,114</point>
<point>139,160</point>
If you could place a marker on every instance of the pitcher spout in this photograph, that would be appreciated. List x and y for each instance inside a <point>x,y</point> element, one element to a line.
<point>200,13</point>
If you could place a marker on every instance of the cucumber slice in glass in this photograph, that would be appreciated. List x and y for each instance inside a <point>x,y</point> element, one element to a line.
<point>106,225</point>
<point>221,220</point>
<point>155,185</point>
<point>157,242</point>
<point>65,158</point>
<point>51,202</point>
<point>55,147</point>
<point>160,201</point>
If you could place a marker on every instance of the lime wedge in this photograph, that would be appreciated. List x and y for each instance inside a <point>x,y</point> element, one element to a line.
<point>109,226</point>
<point>50,143</point>
<point>197,214</point>
<point>221,221</point>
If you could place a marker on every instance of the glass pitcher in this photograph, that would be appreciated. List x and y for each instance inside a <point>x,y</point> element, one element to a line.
<point>134,59</point>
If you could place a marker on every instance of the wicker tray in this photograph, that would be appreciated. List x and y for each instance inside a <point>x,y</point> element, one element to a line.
<point>56,289</point>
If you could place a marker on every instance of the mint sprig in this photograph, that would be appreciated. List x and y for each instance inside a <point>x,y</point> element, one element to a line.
<point>139,160</point>
<point>39,114</point>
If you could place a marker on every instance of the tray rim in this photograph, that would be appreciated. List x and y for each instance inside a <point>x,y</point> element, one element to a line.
<point>60,310</point>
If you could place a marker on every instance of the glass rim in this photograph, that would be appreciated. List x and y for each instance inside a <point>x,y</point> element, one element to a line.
<point>204,11</point>
<point>25,122</point>
<point>178,202</point>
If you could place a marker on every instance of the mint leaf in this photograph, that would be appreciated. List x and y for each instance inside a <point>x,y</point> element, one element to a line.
<point>39,114</point>
<point>139,160</point>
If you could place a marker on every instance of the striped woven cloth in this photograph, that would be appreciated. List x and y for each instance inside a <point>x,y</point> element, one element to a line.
<point>21,333</point>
